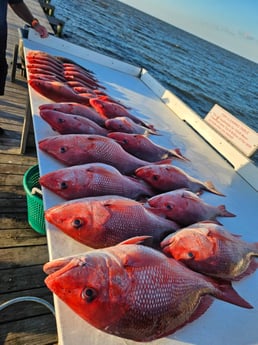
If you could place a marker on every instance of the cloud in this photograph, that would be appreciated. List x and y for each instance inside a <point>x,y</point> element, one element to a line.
<point>246,35</point>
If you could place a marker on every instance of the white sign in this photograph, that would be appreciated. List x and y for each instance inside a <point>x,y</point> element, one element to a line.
<point>232,129</point>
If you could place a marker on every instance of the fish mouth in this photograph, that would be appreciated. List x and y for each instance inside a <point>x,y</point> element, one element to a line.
<point>56,265</point>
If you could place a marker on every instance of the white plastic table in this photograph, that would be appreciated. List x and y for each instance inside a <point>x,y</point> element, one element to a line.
<point>223,323</point>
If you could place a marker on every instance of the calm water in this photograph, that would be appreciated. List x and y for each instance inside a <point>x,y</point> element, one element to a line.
<point>198,72</point>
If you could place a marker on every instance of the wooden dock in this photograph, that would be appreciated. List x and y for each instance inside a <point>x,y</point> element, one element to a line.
<point>22,250</point>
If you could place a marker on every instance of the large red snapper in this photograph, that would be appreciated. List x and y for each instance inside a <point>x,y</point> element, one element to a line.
<point>165,177</point>
<point>71,124</point>
<point>135,292</point>
<point>57,91</point>
<point>210,249</point>
<point>105,221</point>
<point>142,147</point>
<point>74,149</point>
<point>185,207</point>
<point>76,109</point>
<point>93,179</point>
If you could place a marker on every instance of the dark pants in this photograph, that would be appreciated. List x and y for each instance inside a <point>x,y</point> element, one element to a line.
<point>3,62</point>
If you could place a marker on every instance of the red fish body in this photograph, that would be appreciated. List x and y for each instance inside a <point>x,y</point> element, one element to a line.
<point>82,77</point>
<point>75,109</point>
<point>34,72</point>
<point>142,147</point>
<point>50,68</point>
<point>105,221</point>
<point>57,91</point>
<point>126,125</point>
<point>93,179</point>
<point>165,177</point>
<point>45,76</point>
<point>113,109</point>
<point>134,292</point>
<point>185,207</point>
<point>46,61</point>
<point>71,124</point>
<point>210,249</point>
<point>74,149</point>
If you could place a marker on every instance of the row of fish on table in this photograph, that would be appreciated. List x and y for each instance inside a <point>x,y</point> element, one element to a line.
<point>159,255</point>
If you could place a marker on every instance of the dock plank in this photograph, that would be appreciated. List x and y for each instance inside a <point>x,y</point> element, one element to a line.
<point>22,250</point>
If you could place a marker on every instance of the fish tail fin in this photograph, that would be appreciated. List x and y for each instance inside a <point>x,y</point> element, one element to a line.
<point>177,153</point>
<point>226,292</point>
<point>223,212</point>
<point>209,186</point>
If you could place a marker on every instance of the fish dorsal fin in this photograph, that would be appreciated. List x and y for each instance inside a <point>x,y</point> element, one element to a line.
<point>135,240</point>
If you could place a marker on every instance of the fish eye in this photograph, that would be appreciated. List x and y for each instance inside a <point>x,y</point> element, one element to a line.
<point>89,294</point>
<point>77,223</point>
<point>155,177</point>
<point>169,207</point>
<point>63,185</point>
<point>190,254</point>
<point>63,149</point>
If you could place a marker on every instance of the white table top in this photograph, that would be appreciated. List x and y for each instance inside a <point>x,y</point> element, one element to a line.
<point>223,323</point>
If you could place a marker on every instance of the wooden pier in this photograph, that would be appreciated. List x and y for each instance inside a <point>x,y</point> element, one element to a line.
<point>22,250</point>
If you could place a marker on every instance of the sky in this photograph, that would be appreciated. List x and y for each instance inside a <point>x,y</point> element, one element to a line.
<point>231,24</point>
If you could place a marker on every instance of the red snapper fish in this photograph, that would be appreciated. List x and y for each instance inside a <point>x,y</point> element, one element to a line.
<point>210,249</point>
<point>71,124</point>
<point>35,72</point>
<point>82,77</point>
<point>165,177</point>
<point>185,207</point>
<point>144,148</point>
<point>135,292</point>
<point>75,149</point>
<point>126,125</point>
<point>76,109</point>
<point>49,68</point>
<point>46,60</point>
<point>113,109</point>
<point>57,91</point>
<point>105,221</point>
<point>93,179</point>
<point>43,57</point>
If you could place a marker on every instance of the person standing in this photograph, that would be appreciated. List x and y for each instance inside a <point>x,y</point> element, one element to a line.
<point>22,11</point>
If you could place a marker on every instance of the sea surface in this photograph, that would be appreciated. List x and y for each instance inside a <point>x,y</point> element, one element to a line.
<point>198,72</point>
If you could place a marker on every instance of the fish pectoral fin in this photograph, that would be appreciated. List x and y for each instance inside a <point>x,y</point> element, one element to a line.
<point>191,196</point>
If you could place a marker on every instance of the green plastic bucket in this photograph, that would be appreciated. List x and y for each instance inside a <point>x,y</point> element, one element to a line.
<point>35,209</point>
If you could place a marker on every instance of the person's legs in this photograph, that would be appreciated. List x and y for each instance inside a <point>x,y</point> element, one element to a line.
<point>3,63</point>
